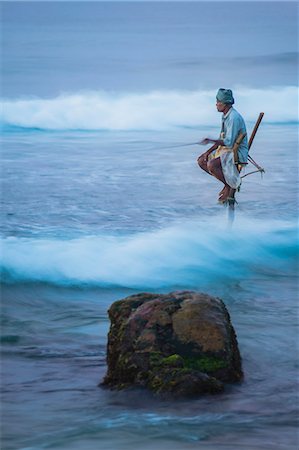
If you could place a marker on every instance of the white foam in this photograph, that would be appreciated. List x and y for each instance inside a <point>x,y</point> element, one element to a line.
<point>185,255</point>
<point>152,110</point>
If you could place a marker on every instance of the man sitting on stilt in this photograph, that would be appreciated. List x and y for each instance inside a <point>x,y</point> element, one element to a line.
<point>224,160</point>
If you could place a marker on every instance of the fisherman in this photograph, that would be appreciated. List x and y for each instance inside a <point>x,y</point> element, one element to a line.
<point>228,154</point>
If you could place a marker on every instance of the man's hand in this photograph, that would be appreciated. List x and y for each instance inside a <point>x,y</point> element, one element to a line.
<point>206,141</point>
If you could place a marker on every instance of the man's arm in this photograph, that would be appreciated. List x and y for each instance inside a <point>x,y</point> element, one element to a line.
<point>216,142</point>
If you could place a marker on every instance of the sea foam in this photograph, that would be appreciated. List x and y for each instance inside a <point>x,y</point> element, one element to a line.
<point>144,111</point>
<point>188,255</point>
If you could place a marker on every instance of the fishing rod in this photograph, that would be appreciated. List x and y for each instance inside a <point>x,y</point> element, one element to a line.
<point>176,145</point>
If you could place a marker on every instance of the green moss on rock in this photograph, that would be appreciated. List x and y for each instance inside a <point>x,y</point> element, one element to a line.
<point>206,363</point>
<point>155,358</point>
<point>174,360</point>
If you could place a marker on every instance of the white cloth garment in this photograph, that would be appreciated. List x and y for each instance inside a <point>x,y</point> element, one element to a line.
<point>229,169</point>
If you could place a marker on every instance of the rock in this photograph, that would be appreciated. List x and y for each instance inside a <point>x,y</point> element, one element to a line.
<point>181,344</point>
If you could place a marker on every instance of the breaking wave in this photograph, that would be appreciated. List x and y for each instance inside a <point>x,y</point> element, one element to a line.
<point>189,255</point>
<point>144,111</point>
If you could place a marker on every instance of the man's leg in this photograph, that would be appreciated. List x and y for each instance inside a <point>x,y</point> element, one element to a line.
<point>214,167</point>
<point>202,161</point>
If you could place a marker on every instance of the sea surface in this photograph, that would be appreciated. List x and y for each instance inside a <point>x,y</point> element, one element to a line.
<point>101,199</point>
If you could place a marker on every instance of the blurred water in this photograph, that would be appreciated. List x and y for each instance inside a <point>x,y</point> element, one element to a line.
<point>96,206</point>
<point>76,183</point>
<point>55,356</point>
<point>102,215</point>
<point>50,48</point>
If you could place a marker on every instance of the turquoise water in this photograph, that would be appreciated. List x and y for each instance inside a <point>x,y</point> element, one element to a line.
<point>98,203</point>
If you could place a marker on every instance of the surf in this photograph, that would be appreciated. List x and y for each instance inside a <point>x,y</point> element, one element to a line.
<point>185,255</point>
<point>154,110</point>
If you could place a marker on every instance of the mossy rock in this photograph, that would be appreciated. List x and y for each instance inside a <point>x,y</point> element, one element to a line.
<point>182,343</point>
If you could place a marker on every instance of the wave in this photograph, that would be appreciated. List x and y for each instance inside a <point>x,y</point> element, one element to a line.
<point>187,255</point>
<point>145,111</point>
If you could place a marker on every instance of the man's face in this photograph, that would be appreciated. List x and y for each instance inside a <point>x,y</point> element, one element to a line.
<point>220,106</point>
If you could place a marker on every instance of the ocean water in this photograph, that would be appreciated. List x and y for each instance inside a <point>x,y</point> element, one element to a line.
<point>100,201</point>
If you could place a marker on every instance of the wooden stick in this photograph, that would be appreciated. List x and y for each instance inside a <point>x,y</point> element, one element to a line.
<point>255,129</point>
<point>237,145</point>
